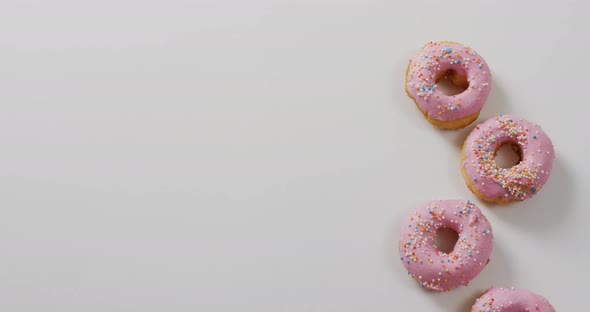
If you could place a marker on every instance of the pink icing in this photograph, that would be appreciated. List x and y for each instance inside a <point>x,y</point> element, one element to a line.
<point>437,270</point>
<point>511,300</point>
<point>520,181</point>
<point>438,57</point>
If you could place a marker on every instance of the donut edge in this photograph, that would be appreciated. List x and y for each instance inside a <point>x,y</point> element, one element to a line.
<point>448,124</point>
<point>472,187</point>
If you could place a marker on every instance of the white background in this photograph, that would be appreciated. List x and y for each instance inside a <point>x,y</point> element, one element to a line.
<point>261,155</point>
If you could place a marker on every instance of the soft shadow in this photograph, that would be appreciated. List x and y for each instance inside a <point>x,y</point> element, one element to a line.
<point>496,104</point>
<point>461,301</point>
<point>497,273</point>
<point>545,210</point>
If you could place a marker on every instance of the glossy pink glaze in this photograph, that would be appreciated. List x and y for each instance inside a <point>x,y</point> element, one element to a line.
<point>520,181</point>
<point>511,300</point>
<point>437,270</point>
<point>436,58</point>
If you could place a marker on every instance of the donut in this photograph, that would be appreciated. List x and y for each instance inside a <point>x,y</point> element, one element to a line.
<point>493,183</point>
<point>511,300</point>
<point>464,67</point>
<point>437,270</point>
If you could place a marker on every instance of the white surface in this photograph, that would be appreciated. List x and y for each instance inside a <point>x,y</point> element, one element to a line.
<point>260,156</point>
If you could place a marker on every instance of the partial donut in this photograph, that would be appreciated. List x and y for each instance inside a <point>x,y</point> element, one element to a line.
<point>464,68</point>
<point>511,300</point>
<point>432,268</point>
<point>493,183</point>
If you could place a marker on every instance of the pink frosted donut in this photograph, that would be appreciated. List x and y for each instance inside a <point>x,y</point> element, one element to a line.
<point>437,270</point>
<point>492,183</point>
<point>511,300</point>
<point>464,67</point>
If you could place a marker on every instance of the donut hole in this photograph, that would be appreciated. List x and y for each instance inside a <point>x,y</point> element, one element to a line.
<point>508,155</point>
<point>452,82</point>
<point>445,240</point>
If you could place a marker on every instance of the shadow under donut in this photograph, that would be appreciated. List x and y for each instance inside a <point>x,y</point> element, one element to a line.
<point>497,273</point>
<point>496,104</point>
<point>547,209</point>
